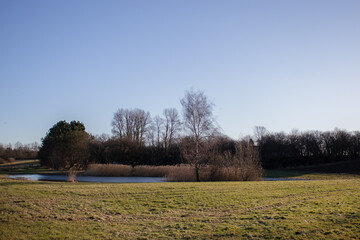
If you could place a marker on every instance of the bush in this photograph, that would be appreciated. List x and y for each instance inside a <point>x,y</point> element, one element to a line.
<point>186,173</point>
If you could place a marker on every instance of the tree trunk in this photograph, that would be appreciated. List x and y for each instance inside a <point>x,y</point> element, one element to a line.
<point>197,172</point>
<point>197,161</point>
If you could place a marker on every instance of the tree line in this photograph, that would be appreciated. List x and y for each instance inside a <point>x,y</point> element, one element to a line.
<point>8,153</point>
<point>190,137</point>
<point>139,139</point>
<point>306,148</point>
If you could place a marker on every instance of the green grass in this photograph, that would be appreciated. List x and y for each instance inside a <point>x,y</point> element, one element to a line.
<point>214,210</point>
<point>336,170</point>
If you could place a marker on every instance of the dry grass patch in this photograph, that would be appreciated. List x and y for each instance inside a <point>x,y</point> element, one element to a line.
<point>120,170</point>
<point>178,173</point>
<point>111,170</point>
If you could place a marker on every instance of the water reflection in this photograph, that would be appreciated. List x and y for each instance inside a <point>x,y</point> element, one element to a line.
<point>44,177</point>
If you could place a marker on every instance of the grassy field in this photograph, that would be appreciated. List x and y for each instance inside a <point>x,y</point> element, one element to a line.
<point>227,210</point>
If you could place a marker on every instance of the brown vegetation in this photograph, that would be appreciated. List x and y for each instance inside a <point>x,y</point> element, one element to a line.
<point>178,173</point>
<point>19,151</point>
<point>199,122</point>
<point>186,173</point>
<point>121,170</point>
<point>131,124</point>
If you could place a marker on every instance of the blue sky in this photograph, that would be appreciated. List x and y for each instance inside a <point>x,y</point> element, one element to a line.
<point>278,64</point>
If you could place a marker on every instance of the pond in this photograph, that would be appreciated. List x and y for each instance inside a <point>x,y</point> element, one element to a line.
<point>284,179</point>
<point>53,177</point>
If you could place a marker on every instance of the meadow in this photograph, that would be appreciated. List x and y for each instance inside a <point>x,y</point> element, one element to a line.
<point>319,209</point>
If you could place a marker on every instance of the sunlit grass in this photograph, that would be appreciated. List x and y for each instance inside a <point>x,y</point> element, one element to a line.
<point>231,210</point>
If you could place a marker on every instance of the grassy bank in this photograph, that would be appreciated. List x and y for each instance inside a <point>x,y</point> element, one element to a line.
<point>230,210</point>
<point>26,166</point>
<point>16,164</point>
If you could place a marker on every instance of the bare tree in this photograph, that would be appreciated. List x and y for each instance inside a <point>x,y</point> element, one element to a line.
<point>142,120</point>
<point>35,146</point>
<point>119,123</point>
<point>131,124</point>
<point>260,132</point>
<point>151,135</point>
<point>247,162</point>
<point>158,123</point>
<point>199,121</point>
<point>172,125</point>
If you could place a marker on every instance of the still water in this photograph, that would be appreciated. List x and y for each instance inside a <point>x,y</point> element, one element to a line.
<point>44,177</point>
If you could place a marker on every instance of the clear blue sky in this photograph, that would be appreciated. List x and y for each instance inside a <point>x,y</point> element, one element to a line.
<point>278,64</point>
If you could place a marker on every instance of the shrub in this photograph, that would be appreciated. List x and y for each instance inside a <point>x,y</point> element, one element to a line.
<point>152,171</point>
<point>186,173</point>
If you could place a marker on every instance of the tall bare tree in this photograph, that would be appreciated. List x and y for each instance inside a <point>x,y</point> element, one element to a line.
<point>172,125</point>
<point>199,121</point>
<point>260,132</point>
<point>131,124</point>
<point>158,124</point>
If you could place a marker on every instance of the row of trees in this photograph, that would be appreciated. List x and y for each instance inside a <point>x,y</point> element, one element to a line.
<point>136,125</point>
<point>306,148</point>
<point>114,150</point>
<point>19,151</point>
<point>138,139</point>
<point>191,137</point>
